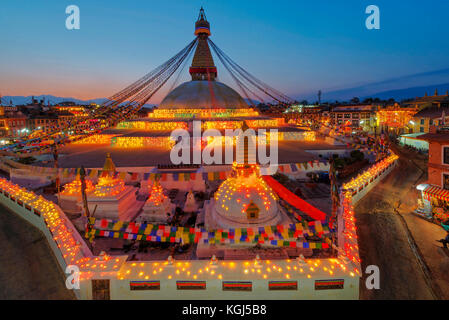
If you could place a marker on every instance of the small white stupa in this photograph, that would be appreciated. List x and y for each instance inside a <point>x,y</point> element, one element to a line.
<point>190,205</point>
<point>112,199</point>
<point>70,199</point>
<point>158,208</point>
<point>243,200</point>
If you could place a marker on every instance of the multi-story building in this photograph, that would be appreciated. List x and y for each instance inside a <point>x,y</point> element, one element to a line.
<point>396,119</point>
<point>12,125</point>
<point>430,116</point>
<point>434,202</point>
<point>427,101</point>
<point>355,117</point>
<point>78,111</point>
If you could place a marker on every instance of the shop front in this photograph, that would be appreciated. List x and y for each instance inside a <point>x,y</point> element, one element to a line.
<point>434,204</point>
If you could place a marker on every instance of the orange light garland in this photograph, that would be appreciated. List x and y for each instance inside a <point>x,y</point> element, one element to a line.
<point>246,182</point>
<point>109,186</point>
<point>364,178</point>
<point>74,187</point>
<point>202,113</point>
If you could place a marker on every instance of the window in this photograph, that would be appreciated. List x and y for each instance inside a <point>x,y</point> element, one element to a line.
<point>421,129</point>
<point>339,115</point>
<point>145,285</point>
<point>347,115</point>
<point>431,122</point>
<point>446,181</point>
<point>446,155</point>
<point>329,284</point>
<point>283,285</point>
<point>237,286</point>
<point>191,285</point>
<point>355,115</point>
<point>355,123</point>
<point>422,121</point>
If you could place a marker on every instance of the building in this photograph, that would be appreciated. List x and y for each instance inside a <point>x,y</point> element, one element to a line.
<point>425,118</point>
<point>355,117</point>
<point>427,101</point>
<point>78,111</point>
<point>12,125</point>
<point>42,121</point>
<point>12,122</point>
<point>396,118</point>
<point>434,202</point>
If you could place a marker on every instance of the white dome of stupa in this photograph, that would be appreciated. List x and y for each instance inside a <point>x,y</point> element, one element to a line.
<point>246,200</point>
<point>197,95</point>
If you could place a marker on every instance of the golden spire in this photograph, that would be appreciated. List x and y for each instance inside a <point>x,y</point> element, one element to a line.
<point>109,166</point>
<point>203,66</point>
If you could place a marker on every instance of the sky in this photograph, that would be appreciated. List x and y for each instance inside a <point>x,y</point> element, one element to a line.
<point>297,47</point>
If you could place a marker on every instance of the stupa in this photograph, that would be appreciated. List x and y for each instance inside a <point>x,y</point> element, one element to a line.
<point>158,208</point>
<point>70,199</point>
<point>203,97</point>
<point>243,200</point>
<point>190,204</point>
<point>111,198</point>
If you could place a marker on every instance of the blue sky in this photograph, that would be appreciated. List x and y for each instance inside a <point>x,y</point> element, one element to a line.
<point>297,47</point>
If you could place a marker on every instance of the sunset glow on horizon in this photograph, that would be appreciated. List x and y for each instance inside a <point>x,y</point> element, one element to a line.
<point>304,48</point>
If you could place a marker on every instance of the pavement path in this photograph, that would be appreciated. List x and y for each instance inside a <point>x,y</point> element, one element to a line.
<point>402,245</point>
<point>28,269</point>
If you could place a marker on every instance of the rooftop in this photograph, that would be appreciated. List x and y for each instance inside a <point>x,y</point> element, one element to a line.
<point>355,108</point>
<point>437,137</point>
<point>432,112</point>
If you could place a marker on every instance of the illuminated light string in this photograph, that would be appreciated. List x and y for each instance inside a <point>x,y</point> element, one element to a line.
<point>157,196</point>
<point>249,185</point>
<point>362,179</point>
<point>108,186</point>
<point>74,188</point>
<point>257,270</point>
<point>202,113</point>
<point>96,139</point>
<point>153,126</point>
<point>63,235</point>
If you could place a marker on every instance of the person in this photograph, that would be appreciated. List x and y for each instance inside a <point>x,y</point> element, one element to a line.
<point>445,241</point>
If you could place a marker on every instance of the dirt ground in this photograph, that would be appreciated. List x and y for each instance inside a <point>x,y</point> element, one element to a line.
<point>401,244</point>
<point>28,269</point>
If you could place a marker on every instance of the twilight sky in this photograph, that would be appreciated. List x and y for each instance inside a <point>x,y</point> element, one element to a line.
<point>297,46</point>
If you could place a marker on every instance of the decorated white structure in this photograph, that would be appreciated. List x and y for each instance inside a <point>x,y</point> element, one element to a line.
<point>244,200</point>
<point>190,204</point>
<point>111,198</point>
<point>158,207</point>
<point>70,199</point>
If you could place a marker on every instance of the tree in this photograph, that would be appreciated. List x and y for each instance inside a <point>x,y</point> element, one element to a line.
<point>355,100</point>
